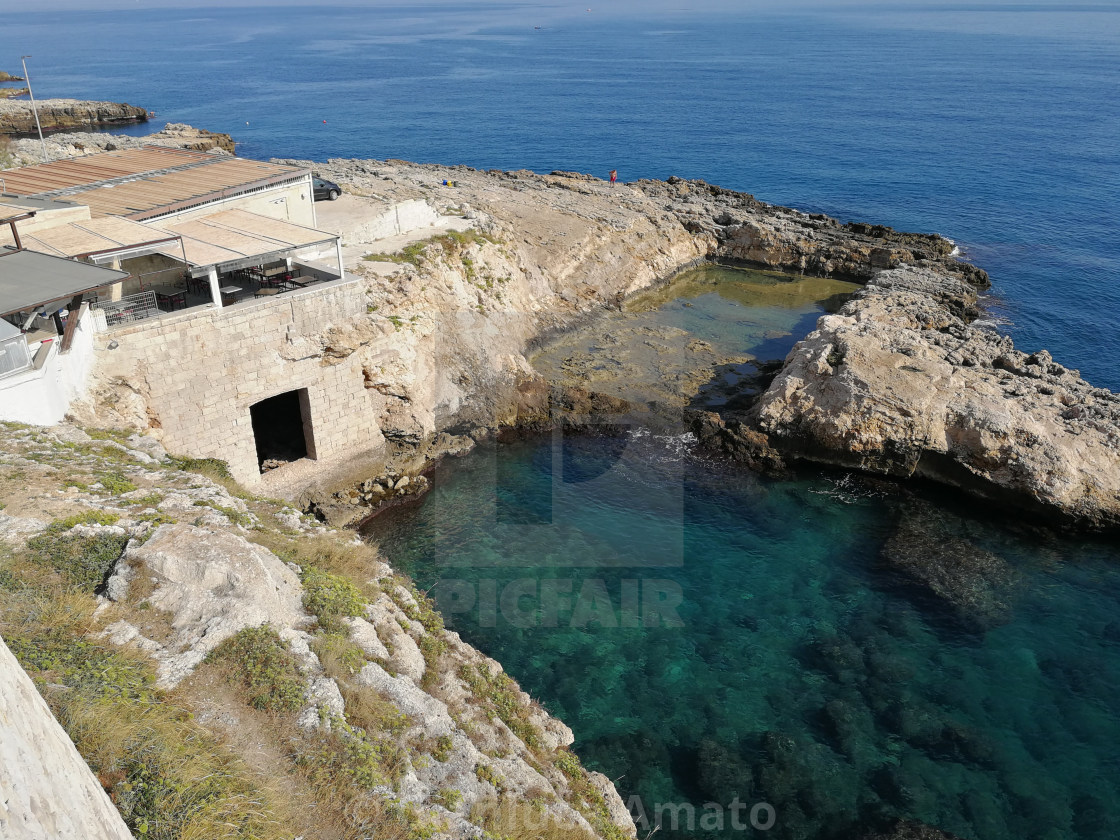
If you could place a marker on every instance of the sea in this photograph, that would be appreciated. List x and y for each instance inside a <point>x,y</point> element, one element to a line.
<point>785,663</point>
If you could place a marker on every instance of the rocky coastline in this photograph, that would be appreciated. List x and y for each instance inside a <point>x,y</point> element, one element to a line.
<point>17,117</point>
<point>28,151</point>
<point>902,382</point>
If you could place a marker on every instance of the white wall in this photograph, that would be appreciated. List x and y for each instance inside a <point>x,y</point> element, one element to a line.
<point>290,203</point>
<point>42,397</point>
<point>403,217</point>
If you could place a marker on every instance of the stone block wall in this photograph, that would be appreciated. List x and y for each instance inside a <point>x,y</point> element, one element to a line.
<point>200,373</point>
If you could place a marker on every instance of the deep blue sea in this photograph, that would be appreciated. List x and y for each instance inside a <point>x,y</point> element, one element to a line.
<point>803,672</point>
<point>994,124</point>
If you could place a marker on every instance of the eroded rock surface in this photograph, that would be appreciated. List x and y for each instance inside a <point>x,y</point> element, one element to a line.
<point>213,583</point>
<point>901,382</point>
<point>17,117</point>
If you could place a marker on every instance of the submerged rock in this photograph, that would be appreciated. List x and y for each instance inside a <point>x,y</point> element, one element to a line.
<point>973,582</point>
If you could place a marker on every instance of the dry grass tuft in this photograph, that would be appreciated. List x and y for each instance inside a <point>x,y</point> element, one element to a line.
<point>331,553</point>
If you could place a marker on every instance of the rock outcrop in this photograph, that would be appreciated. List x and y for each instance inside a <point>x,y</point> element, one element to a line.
<point>213,583</point>
<point>17,117</point>
<point>902,381</point>
<point>46,789</point>
<point>29,151</point>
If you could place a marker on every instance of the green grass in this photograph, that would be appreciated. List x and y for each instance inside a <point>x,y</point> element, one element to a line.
<point>258,661</point>
<point>339,656</point>
<point>234,516</point>
<point>150,500</point>
<point>449,242</point>
<point>116,484</point>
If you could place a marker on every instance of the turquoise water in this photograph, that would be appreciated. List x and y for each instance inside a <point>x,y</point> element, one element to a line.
<point>802,672</point>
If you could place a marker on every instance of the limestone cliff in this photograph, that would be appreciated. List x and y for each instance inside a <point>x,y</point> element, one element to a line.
<point>17,117</point>
<point>902,381</point>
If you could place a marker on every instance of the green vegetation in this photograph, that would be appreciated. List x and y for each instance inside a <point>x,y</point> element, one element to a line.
<point>233,515</point>
<point>371,711</point>
<point>499,694</point>
<point>210,467</point>
<point>150,500</point>
<point>514,819</point>
<point>443,747</point>
<point>568,764</point>
<point>258,660</point>
<point>82,561</point>
<point>449,798</point>
<point>452,241</point>
<point>116,484</point>
<point>339,656</point>
<point>330,598</point>
<point>488,774</point>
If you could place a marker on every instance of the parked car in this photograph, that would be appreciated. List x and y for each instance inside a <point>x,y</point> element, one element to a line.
<point>324,189</point>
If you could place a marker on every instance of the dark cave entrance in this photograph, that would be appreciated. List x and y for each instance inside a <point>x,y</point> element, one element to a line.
<point>282,429</point>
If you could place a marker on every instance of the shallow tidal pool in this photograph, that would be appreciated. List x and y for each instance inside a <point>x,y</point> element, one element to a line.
<point>696,340</point>
<point>714,637</point>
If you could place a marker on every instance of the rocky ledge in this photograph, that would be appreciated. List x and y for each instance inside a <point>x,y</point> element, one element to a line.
<point>29,151</point>
<point>903,381</point>
<point>66,115</point>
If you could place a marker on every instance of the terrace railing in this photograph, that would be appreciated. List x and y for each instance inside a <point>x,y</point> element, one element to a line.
<point>128,309</point>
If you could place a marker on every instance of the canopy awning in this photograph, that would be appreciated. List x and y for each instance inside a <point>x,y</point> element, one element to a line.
<point>233,239</point>
<point>99,240</point>
<point>29,280</point>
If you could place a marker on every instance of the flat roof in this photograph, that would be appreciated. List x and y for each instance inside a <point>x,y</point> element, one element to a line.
<point>29,279</point>
<point>145,182</point>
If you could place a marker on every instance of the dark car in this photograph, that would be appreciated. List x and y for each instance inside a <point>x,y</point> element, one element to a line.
<point>324,189</point>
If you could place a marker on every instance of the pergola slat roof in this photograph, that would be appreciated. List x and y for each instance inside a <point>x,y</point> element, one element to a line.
<point>235,238</point>
<point>146,182</point>
<point>92,236</point>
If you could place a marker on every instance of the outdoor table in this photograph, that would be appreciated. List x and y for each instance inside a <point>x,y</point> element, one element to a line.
<point>171,298</point>
<point>265,292</point>
<point>230,294</point>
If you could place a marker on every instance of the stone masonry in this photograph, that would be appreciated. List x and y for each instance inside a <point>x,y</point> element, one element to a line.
<point>201,371</point>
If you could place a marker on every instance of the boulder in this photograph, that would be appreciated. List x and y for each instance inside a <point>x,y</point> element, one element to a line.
<point>213,584</point>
